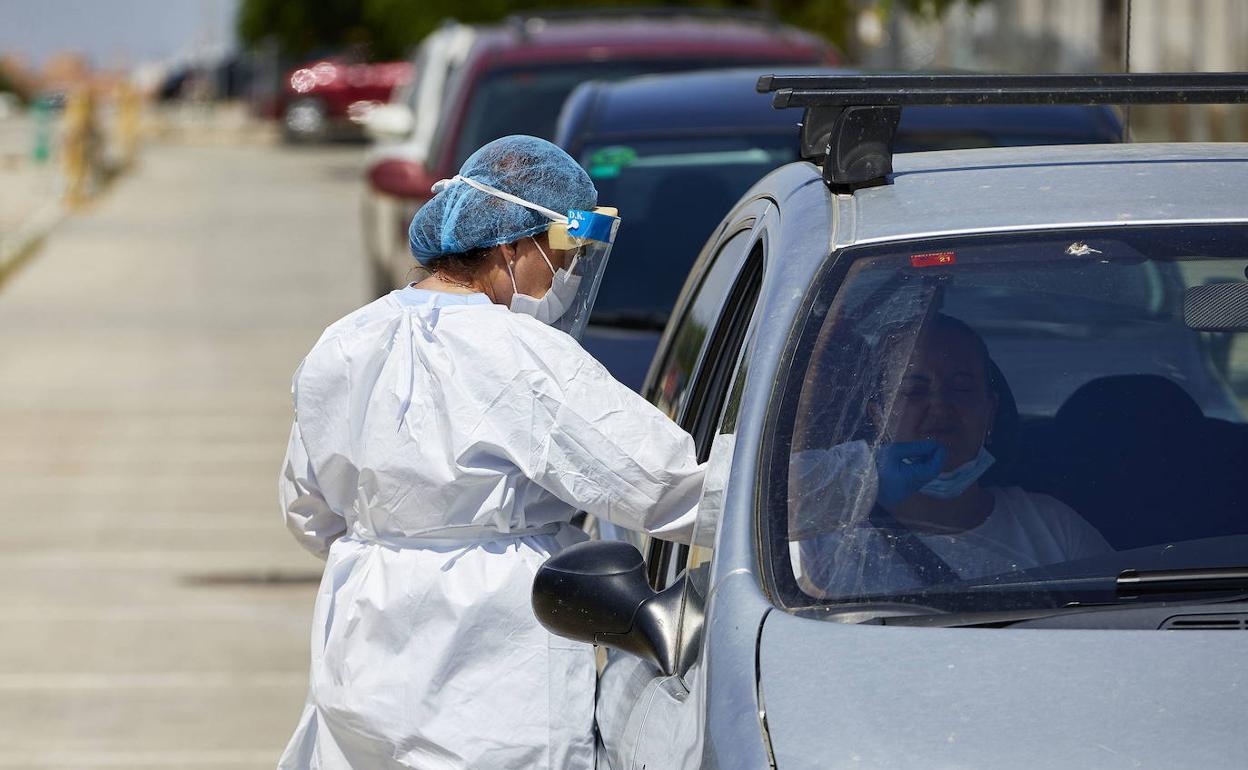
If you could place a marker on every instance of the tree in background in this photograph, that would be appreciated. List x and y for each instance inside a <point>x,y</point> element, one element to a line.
<point>388,29</point>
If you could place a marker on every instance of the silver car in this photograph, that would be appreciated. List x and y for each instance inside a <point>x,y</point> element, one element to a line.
<point>831,626</point>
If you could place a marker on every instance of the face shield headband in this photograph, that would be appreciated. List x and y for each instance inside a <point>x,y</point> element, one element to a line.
<point>588,234</point>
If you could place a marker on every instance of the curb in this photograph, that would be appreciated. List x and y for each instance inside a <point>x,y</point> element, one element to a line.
<point>15,251</point>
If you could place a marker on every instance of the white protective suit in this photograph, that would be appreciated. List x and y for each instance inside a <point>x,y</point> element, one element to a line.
<point>441,444</point>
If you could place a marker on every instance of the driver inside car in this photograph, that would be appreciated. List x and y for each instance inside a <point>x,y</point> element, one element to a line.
<point>919,513</point>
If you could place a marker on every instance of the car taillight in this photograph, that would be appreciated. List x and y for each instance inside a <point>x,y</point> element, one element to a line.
<point>401,178</point>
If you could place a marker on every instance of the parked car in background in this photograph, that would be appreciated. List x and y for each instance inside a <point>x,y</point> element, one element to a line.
<point>819,632</point>
<point>675,152</point>
<point>331,98</point>
<point>514,79</point>
<point>402,131</point>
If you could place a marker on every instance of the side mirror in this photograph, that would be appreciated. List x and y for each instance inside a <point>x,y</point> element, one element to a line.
<point>401,178</point>
<point>390,123</point>
<point>596,592</point>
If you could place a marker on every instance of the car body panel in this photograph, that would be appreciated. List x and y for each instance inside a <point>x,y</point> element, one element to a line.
<point>986,190</point>
<point>936,697</point>
<point>599,39</point>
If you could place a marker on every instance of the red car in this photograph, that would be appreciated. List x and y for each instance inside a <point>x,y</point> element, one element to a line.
<point>331,98</point>
<point>516,76</point>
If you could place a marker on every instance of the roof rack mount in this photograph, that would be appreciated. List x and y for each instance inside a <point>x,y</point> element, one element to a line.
<point>850,120</point>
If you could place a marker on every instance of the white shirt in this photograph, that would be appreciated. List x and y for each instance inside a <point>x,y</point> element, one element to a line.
<point>440,445</point>
<point>837,551</point>
<point>1023,530</point>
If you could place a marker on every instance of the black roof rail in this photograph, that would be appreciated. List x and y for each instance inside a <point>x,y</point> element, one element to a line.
<point>850,120</point>
<point>520,19</point>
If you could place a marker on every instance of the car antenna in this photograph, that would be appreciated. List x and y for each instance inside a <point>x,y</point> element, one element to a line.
<point>850,120</point>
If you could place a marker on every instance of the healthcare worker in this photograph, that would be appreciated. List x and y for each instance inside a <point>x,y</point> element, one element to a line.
<point>444,436</point>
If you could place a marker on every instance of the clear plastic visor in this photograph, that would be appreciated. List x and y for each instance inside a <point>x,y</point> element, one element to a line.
<point>585,261</point>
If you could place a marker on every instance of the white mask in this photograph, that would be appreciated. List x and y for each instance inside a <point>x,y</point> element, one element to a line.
<point>555,302</point>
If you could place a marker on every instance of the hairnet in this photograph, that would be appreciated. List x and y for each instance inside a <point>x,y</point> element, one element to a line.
<point>460,217</point>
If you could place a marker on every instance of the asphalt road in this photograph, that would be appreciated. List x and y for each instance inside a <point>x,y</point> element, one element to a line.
<point>154,611</point>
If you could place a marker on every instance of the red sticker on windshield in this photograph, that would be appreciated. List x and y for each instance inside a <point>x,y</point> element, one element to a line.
<point>932,259</point>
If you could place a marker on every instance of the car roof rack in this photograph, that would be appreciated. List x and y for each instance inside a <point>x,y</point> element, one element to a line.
<point>850,120</point>
<point>520,20</point>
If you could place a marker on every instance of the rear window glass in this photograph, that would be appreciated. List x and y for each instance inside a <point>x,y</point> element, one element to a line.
<point>671,194</point>
<point>528,100</point>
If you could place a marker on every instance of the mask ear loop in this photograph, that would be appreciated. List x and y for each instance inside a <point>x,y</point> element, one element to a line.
<point>514,288</point>
<point>542,251</point>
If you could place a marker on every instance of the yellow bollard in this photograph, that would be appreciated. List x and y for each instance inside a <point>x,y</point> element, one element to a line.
<point>78,146</point>
<point>128,120</point>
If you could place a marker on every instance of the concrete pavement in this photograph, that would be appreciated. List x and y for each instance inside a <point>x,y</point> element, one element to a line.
<point>30,192</point>
<point>155,613</point>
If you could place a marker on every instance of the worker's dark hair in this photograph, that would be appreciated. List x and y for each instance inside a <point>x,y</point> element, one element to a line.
<point>462,266</point>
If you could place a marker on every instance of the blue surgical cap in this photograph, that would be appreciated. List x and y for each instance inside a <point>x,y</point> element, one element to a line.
<point>462,218</point>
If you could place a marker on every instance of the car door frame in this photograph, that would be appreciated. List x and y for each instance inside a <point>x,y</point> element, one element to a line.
<point>626,708</point>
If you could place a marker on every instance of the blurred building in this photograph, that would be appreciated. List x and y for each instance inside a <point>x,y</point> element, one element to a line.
<point>1078,36</point>
<point>64,71</point>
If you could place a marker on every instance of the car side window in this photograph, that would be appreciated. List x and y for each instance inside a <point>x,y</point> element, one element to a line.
<point>672,388</point>
<point>714,424</point>
<point>693,382</point>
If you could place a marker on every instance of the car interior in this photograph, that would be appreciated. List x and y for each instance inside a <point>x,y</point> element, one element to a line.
<point>1133,453</point>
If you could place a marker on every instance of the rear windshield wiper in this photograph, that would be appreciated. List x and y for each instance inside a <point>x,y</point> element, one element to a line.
<point>1135,583</point>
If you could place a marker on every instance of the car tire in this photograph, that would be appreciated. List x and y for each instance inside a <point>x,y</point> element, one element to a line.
<point>305,120</point>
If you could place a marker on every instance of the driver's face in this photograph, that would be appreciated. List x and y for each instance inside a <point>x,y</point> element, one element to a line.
<point>944,396</point>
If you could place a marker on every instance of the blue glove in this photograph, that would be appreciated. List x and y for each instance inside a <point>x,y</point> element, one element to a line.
<point>904,467</point>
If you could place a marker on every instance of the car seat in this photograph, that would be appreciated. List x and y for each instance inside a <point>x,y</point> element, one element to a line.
<point>1134,455</point>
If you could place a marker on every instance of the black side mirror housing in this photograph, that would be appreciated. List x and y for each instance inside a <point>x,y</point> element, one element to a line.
<point>596,592</point>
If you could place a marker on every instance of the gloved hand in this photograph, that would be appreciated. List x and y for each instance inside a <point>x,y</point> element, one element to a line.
<point>905,466</point>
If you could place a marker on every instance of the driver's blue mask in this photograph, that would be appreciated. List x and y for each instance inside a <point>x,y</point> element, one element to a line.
<point>952,484</point>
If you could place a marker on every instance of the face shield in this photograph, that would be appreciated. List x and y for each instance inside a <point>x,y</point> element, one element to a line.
<point>583,240</point>
<point>588,237</point>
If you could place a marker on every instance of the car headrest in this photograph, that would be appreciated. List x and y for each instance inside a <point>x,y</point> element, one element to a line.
<point>1129,403</point>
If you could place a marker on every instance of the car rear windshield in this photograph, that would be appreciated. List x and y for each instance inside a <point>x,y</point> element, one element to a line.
<point>1003,422</point>
<point>671,194</point>
<point>527,100</point>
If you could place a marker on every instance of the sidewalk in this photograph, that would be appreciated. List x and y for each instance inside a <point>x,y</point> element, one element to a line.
<point>156,613</point>
<point>30,192</point>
